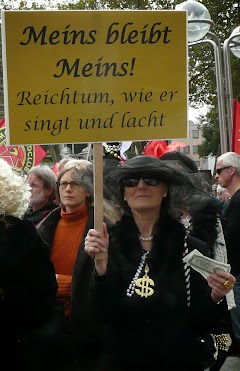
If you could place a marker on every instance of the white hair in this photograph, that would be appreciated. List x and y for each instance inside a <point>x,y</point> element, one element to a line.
<point>14,192</point>
<point>230,159</point>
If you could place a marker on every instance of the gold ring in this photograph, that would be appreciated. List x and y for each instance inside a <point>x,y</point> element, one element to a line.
<point>227,284</point>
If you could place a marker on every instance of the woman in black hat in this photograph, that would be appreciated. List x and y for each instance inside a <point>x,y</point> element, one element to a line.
<point>154,309</point>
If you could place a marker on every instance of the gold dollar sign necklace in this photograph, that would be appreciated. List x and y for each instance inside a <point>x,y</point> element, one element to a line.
<point>144,283</point>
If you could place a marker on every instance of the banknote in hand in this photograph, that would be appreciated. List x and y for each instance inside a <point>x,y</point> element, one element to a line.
<point>205,265</point>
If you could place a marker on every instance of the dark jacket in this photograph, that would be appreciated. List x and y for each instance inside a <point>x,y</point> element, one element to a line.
<point>84,330</point>
<point>27,291</point>
<point>142,332</point>
<point>232,216</point>
<point>37,216</point>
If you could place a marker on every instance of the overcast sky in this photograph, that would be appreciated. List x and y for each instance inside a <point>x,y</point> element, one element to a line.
<point>49,3</point>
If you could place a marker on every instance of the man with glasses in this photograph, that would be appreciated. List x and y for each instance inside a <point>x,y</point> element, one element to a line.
<point>228,176</point>
<point>42,181</point>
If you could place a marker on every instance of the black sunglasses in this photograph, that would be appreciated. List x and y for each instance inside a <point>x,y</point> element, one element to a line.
<point>218,171</point>
<point>133,182</point>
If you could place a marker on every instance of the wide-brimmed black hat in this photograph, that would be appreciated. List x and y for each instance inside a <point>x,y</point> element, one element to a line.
<point>180,187</point>
<point>181,161</point>
<point>149,165</point>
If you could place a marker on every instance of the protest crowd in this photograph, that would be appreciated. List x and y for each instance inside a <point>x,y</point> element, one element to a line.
<point>162,275</point>
<point>124,256</point>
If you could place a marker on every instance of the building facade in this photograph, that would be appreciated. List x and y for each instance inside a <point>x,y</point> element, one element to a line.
<point>193,141</point>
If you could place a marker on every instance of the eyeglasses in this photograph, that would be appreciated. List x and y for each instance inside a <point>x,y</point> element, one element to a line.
<point>218,171</point>
<point>36,185</point>
<point>73,185</point>
<point>133,182</point>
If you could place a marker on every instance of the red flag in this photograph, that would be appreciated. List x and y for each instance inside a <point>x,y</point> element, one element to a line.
<point>236,127</point>
<point>21,158</point>
<point>55,168</point>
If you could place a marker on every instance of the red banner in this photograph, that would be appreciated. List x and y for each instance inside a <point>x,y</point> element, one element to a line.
<point>236,127</point>
<point>21,158</point>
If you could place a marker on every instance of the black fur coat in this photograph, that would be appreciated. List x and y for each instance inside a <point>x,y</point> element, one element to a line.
<point>27,289</point>
<point>140,332</point>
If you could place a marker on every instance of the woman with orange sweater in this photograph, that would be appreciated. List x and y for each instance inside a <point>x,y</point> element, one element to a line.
<point>65,229</point>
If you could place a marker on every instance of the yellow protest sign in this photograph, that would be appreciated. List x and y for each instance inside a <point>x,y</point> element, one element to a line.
<point>94,76</point>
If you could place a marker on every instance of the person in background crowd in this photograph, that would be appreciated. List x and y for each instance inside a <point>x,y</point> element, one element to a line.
<point>42,181</point>
<point>27,280</point>
<point>228,176</point>
<point>112,153</point>
<point>214,189</point>
<point>206,186</point>
<point>223,195</point>
<point>203,220</point>
<point>65,229</point>
<point>140,286</point>
<point>61,163</point>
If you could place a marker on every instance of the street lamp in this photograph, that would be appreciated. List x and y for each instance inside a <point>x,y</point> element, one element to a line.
<point>233,44</point>
<point>199,19</point>
<point>199,23</point>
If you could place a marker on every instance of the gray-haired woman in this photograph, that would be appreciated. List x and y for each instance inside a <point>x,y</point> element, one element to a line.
<point>65,229</point>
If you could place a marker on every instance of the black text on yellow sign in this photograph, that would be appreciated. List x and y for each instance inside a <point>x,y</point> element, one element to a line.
<point>94,76</point>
